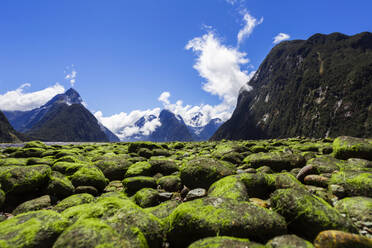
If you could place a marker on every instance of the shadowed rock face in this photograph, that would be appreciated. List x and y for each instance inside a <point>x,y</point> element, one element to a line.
<point>317,87</point>
<point>7,133</point>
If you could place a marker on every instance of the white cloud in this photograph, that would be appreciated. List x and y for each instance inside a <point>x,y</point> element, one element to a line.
<point>20,100</point>
<point>250,24</point>
<point>123,124</point>
<point>232,2</point>
<point>164,97</point>
<point>280,37</point>
<point>220,66</point>
<point>71,77</point>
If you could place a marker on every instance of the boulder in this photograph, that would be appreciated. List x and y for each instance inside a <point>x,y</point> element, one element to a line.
<point>213,216</point>
<point>114,168</point>
<point>303,210</point>
<point>73,200</point>
<point>165,167</point>
<point>59,186</point>
<point>202,172</point>
<point>229,187</point>
<point>224,241</point>
<point>354,183</point>
<point>36,229</point>
<point>288,241</point>
<point>170,183</point>
<point>89,176</point>
<point>345,147</point>
<point>133,184</point>
<point>33,205</point>
<point>147,197</point>
<point>277,161</point>
<point>139,169</point>
<point>195,194</point>
<point>338,239</point>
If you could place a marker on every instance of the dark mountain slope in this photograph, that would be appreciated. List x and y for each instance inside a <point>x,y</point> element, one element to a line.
<point>172,128</point>
<point>318,87</point>
<point>7,133</point>
<point>68,123</point>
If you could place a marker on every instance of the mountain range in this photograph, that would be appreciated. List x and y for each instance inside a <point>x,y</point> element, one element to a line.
<point>314,88</point>
<point>65,118</point>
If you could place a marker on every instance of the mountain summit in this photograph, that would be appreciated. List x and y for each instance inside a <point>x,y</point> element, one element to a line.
<point>315,88</point>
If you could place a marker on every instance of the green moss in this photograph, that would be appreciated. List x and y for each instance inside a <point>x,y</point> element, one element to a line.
<point>146,197</point>
<point>33,229</point>
<point>35,144</point>
<point>90,233</point>
<point>170,183</point>
<point>139,169</point>
<point>301,210</point>
<point>33,205</point>
<point>225,241</point>
<point>67,168</point>
<point>163,210</point>
<point>345,147</point>
<point>355,183</point>
<point>229,187</point>
<point>59,186</point>
<point>358,207</point>
<point>277,161</point>
<point>133,184</point>
<point>212,216</point>
<point>289,241</point>
<point>89,176</point>
<point>73,200</point>
<point>163,166</point>
<point>256,185</point>
<point>114,167</point>
<point>13,162</point>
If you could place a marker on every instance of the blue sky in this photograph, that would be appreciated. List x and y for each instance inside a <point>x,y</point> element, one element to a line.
<point>127,53</point>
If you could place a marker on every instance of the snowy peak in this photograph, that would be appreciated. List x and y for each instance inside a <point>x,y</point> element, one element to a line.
<point>70,97</point>
<point>197,120</point>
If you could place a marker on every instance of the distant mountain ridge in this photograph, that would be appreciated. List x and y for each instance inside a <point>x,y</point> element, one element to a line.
<point>314,88</point>
<point>7,133</point>
<point>63,118</point>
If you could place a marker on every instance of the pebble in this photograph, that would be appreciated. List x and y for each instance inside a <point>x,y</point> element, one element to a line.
<point>195,194</point>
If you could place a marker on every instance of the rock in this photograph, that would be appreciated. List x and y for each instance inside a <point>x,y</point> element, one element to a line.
<point>24,179</point>
<point>165,196</point>
<point>229,187</point>
<point>259,202</point>
<point>170,183</point>
<point>202,172</point>
<point>36,229</point>
<point>184,191</point>
<point>35,144</point>
<point>277,161</point>
<point>114,168</point>
<point>33,205</point>
<point>264,169</point>
<point>73,200</point>
<point>301,210</point>
<point>233,157</point>
<point>132,216</point>
<point>114,186</point>
<point>139,169</point>
<point>355,183</point>
<point>165,167</point>
<point>164,209</point>
<point>306,170</point>
<point>345,147</point>
<point>28,153</point>
<point>147,197</point>
<point>133,184</point>
<point>59,186</point>
<point>325,164</point>
<point>90,233</point>
<point>288,241</point>
<point>256,185</point>
<point>89,176</point>
<point>212,216</point>
<point>144,152</point>
<point>359,164</point>
<point>224,241</point>
<point>358,208</point>
<point>67,168</point>
<point>316,180</point>
<point>195,194</point>
<point>338,239</point>
<point>86,189</point>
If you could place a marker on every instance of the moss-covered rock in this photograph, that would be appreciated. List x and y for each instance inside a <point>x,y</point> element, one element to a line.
<point>114,186</point>
<point>289,241</point>
<point>354,183</point>
<point>89,176</point>
<point>67,168</point>
<point>229,187</point>
<point>147,197</point>
<point>28,153</point>
<point>358,208</point>
<point>170,183</point>
<point>24,179</point>
<point>90,233</point>
<point>277,161</point>
<point>345,147</point>
<point>303,210</point>
<point>164,209</point>
<point>35,144</point>
<point>283,180</point>
<point>33,229</point>
<point>133,184</point>
<point>114,168</point>
<point>325,164</point>
<point>139,169</point>
<point>133,216</point>
<point>225,241</point>
<point>73,200</point>
<point>256,185</point>
<point>33,205</point>
<point>59,186</point>
<point>212,216</point>
<point>338,239</point>
<point>2,197</point>
<point>202,172</point>
<point>165,167</point>
<point>13,162</point>
<point>135,146</point>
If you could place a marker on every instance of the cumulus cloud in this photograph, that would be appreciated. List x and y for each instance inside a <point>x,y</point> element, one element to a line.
<point>164,97</point>
<point>71,77</point>
<point>220,66</point>
<point>20,100</point>
<point>280,37</point>
<point>250,24</point>
<point>123,124</point>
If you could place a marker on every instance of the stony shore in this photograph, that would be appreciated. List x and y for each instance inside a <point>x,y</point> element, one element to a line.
<point>295,192</point>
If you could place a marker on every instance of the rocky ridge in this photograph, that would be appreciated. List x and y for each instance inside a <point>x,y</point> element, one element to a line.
<point>293,192</point>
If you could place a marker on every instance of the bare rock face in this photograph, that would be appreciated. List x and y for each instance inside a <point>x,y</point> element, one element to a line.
<point>314,88</point>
